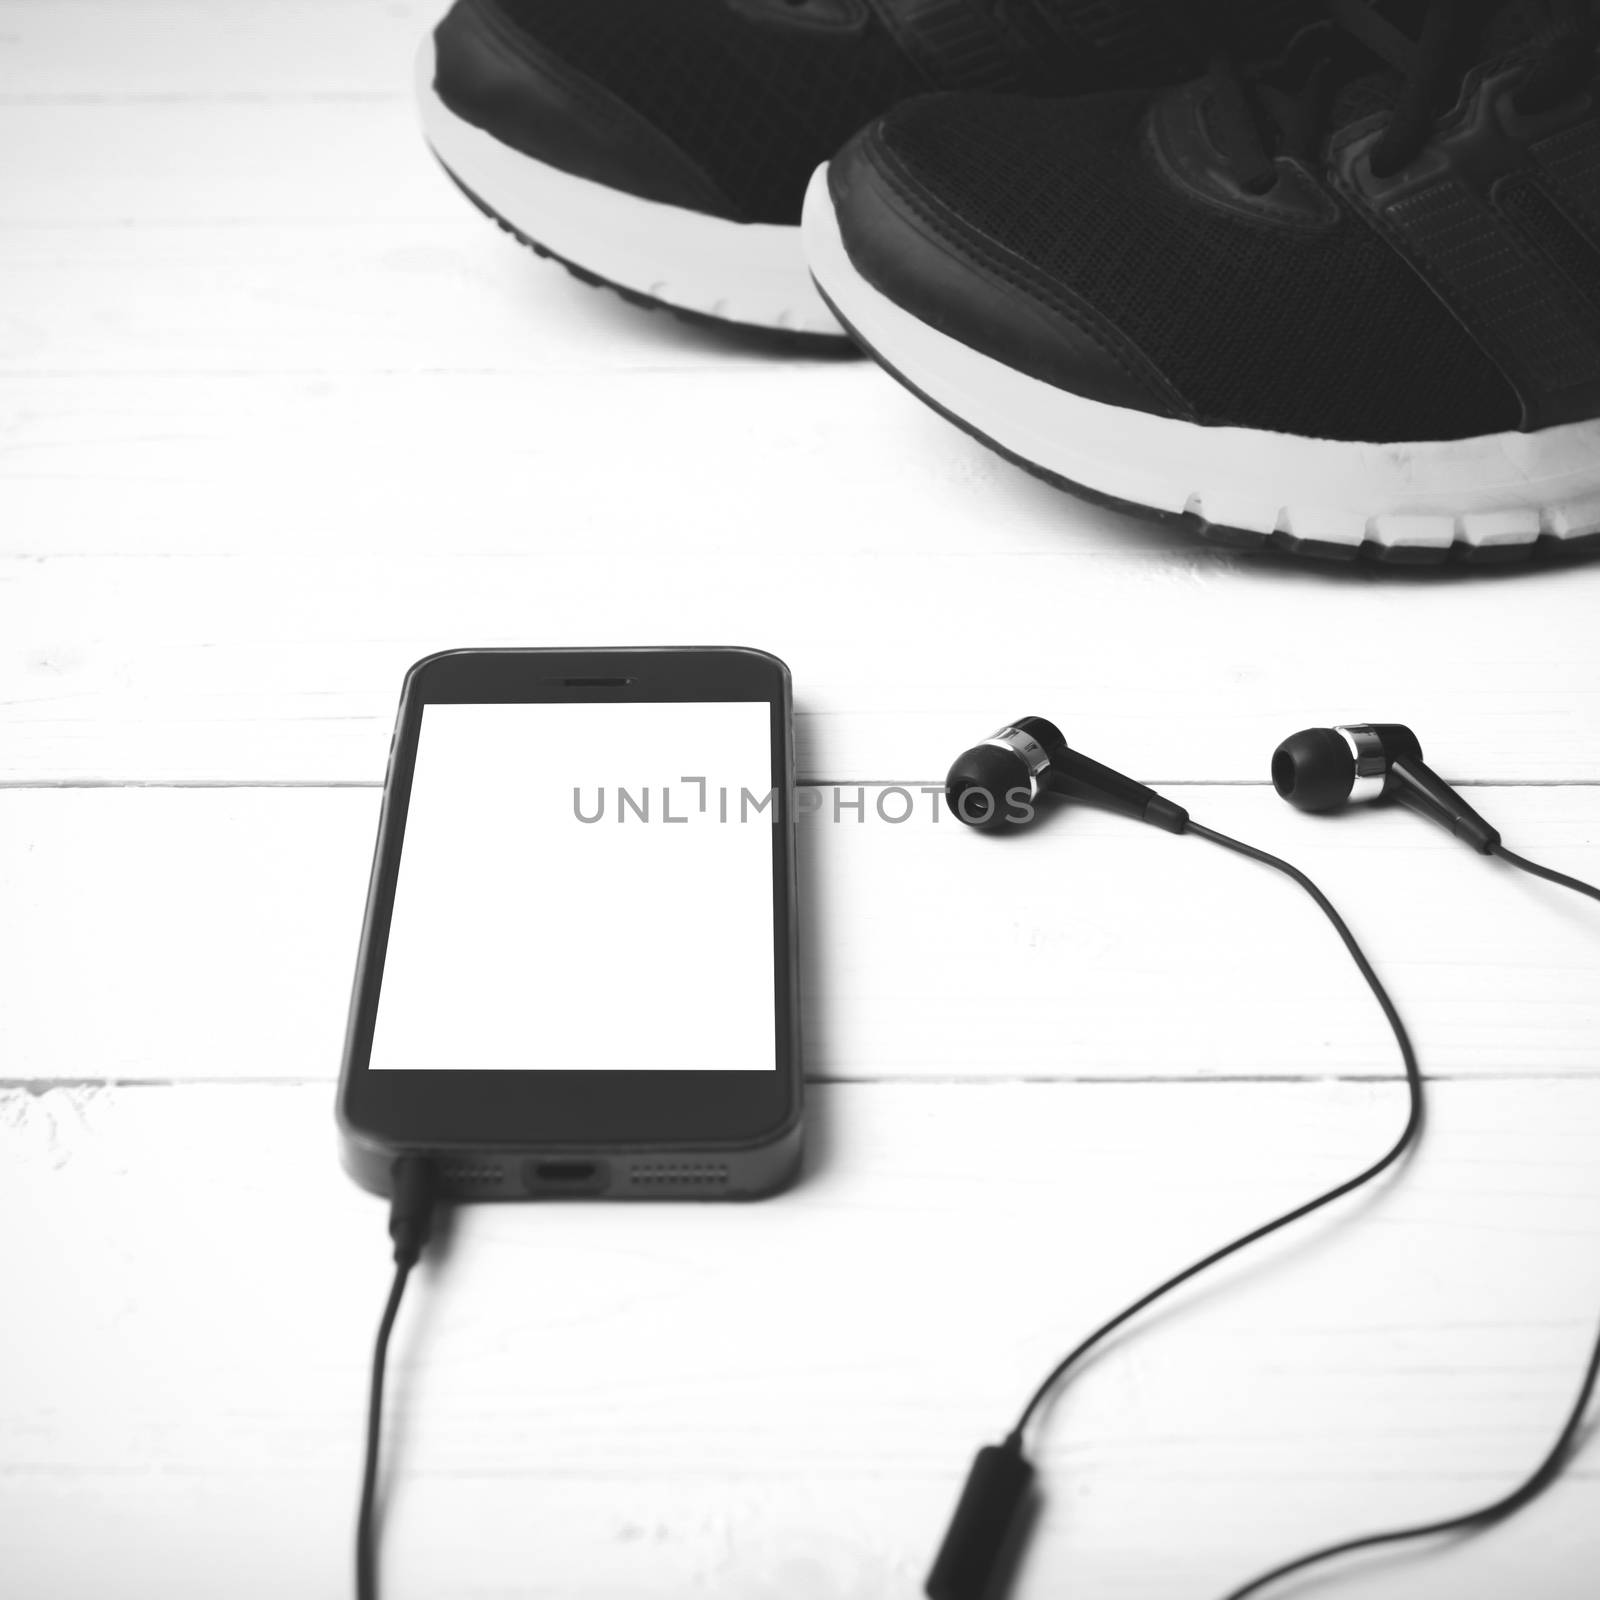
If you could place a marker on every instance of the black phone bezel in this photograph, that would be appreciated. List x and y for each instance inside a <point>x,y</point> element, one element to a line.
<point>648,1109</point>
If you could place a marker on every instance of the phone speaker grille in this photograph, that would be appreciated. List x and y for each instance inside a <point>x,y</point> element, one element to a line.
<point>472,1177</point>
<point>679,1175</point>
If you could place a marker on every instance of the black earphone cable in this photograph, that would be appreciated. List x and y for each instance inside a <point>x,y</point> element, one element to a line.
<point>1533,1485</point>
<point>1548,1470</point>
<point>410,1217</point>
<point>1408,1134</point>
<point>366,1564</point>
<point>1549,874</point>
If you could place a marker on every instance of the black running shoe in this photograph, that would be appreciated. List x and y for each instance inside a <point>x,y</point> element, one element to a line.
<point>663,146</point>
<point>1347,304</point>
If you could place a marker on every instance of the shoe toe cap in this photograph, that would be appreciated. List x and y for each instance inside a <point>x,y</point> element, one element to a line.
<point>904,238</point>
<point>528,97</point>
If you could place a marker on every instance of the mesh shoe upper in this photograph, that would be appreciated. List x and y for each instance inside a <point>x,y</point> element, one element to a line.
<point>750,101</point>
<point>1378,235</point>
<point>757,93</point>
<point>1323,332</point>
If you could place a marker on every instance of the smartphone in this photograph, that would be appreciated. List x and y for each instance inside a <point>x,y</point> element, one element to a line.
<point>577,969</point>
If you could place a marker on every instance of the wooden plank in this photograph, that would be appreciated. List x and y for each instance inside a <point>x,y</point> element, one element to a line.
<point>449,295</point>
<point>94,50</point>
<point>211,934</point>
<point>274,667</point>
<point>442,511</point>
<point>779,1400</point>
<point>250,163</point>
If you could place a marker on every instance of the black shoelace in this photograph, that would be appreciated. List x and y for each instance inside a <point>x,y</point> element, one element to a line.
<point>1284,111</point>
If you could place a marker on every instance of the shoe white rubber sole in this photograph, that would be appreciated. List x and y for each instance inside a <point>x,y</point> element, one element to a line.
<point>750,274</point>
<point>1489,498</point>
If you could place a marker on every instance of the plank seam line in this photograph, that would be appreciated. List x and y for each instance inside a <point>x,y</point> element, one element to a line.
<point>267,99</point>
<point>849,1080</point>
<point>814,783</point>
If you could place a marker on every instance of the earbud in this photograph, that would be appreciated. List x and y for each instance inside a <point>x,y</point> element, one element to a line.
<point>1321,769</point>
<point>999,781</point>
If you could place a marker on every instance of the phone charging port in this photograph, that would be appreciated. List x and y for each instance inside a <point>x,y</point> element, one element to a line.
<point>565,1177</point>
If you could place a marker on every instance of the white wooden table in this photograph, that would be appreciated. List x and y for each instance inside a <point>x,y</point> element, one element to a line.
<point>279,414</point>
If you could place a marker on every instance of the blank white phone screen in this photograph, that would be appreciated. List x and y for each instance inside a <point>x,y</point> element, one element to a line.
<point>584,887</point>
